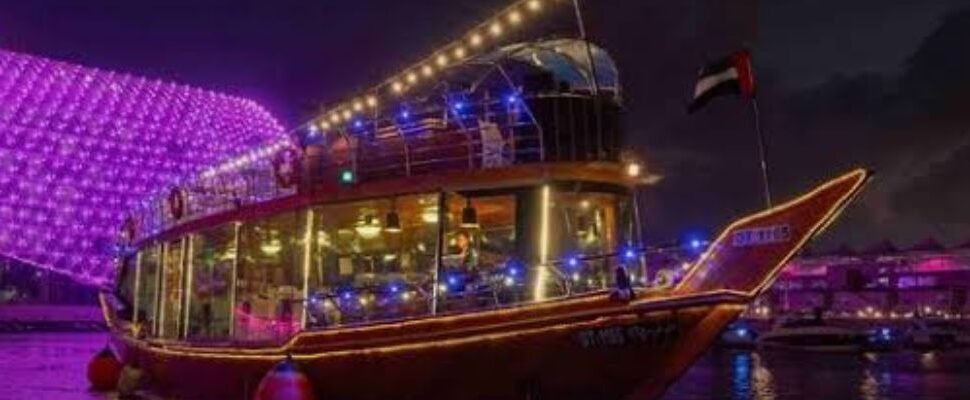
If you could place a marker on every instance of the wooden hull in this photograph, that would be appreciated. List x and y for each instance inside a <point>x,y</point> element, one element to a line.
<point>605,350</point>
<point>581,347</point>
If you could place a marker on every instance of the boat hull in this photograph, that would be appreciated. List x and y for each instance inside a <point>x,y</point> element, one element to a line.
<point>632,354</point>
<point>583,346</point>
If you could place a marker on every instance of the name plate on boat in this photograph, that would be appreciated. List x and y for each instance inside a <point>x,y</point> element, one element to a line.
<point>639,334</point>
<point>761,236</point>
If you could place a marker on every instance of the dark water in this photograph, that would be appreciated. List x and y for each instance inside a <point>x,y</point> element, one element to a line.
<point>799,375</point>
<point>52,366</point>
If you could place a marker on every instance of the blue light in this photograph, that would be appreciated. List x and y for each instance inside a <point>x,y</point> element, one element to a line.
<point>742,332</point>
<point>346,295</point>
<point>513,271</point>
<point>405,114</point>
<point>452,281</point>
<point>696,244</point>
<point>458,106</point>
<point>512,99</point>
<point>394,289</point>
<point>630,254</point>
<point>573,262</point>
<point>358,124</point>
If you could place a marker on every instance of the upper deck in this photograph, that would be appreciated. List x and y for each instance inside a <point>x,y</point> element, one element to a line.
<point>531,104</point>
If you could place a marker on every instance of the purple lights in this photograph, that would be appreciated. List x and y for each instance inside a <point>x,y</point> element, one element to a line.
<point>80,147</point>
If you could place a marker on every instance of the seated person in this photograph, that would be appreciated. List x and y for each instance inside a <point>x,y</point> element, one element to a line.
<point>466,258</point>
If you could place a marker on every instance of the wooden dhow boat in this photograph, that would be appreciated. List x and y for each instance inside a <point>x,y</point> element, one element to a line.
<point>478,241</point>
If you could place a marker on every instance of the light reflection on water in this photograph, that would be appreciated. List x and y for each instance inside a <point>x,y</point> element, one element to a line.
<point>742,375</point>
<point>52,367</point>
<point>47,366</point>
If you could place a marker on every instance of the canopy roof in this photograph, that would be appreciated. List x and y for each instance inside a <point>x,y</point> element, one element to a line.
<point>79,147</point>
<point>567,60</point>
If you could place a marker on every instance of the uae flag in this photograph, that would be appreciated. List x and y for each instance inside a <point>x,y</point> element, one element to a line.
<point>730,75</point>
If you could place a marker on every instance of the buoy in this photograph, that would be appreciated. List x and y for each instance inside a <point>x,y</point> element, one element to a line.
<point>285,382</point>
<point>104,370</point>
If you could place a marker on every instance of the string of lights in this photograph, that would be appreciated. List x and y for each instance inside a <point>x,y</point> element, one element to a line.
<point>486,35</point>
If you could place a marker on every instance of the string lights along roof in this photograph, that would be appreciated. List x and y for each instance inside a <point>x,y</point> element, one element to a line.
<point>484,37</point>
<point>79,147</point>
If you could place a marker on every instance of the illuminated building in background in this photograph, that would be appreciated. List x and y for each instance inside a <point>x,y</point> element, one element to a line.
<point>80,146</point>
<point>880,282</point>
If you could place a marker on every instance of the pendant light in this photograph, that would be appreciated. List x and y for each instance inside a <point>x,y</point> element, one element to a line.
<point>469,216</point>
<point>392,221</point>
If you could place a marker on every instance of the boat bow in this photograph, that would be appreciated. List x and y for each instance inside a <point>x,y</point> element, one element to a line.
<point>749,254</point>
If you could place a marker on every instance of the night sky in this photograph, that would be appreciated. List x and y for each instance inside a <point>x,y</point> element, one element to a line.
<point>882,84</point>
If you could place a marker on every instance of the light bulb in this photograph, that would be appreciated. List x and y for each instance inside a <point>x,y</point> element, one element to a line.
<point>495,29</point>
<point>475,40</point>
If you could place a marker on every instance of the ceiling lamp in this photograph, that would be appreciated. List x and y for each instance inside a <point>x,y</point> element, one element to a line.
<point>469,216</point>
<point>392,221</point>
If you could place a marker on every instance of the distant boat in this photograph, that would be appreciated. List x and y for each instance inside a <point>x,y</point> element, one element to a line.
<point>739,335</point>
<point>936,335</point>
<point>813,334</point>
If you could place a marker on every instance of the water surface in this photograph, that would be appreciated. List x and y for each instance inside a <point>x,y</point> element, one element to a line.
<point>52,367</point>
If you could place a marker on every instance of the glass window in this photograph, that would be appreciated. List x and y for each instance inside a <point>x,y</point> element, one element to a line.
<point>170,316</point>
<point>480,243</point>
<point>590,234</point>
<point>126,284</point>
<point>373,260</point>
<point>269,278</point>
<point>148,286</point>
<point>213,257</point>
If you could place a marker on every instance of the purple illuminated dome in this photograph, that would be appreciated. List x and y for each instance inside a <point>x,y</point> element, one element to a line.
<point>80,147</point>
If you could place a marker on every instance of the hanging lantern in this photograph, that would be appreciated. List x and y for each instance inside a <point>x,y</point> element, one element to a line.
<point>392,221</point>
<point>469,216</point>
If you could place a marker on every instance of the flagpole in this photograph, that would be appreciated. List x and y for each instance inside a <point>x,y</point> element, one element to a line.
<point>762,150</point>
<point>594,78</point>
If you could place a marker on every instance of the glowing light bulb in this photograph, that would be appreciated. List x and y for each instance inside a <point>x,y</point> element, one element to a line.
<point>427,70</point>
<point>460,52</point>
<point>495,29</point>
<point>346,114</point>
<point>371,101</point>
<point>442,60</point>
<point>633,170</point>
<point>515,17</point>
<point>534,5</point>
<point>325,125</point>
<point>412,77</point>
<point>475,40</point>
<point>397,87</point>
<point>334,118</point>
<point>358,105</point>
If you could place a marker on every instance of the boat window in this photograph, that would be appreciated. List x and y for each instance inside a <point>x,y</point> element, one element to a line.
<point>170,306</point>
<point>373,260</point>
<point>479,246</point>
<point>125,290</point>
<point>269,278</point>
<point>147,287</point>
<point>213,254</point>
<point>590,233</point>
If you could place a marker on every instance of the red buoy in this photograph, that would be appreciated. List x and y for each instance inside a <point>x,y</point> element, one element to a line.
<point>104,370</point>
<point>285,382</point>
